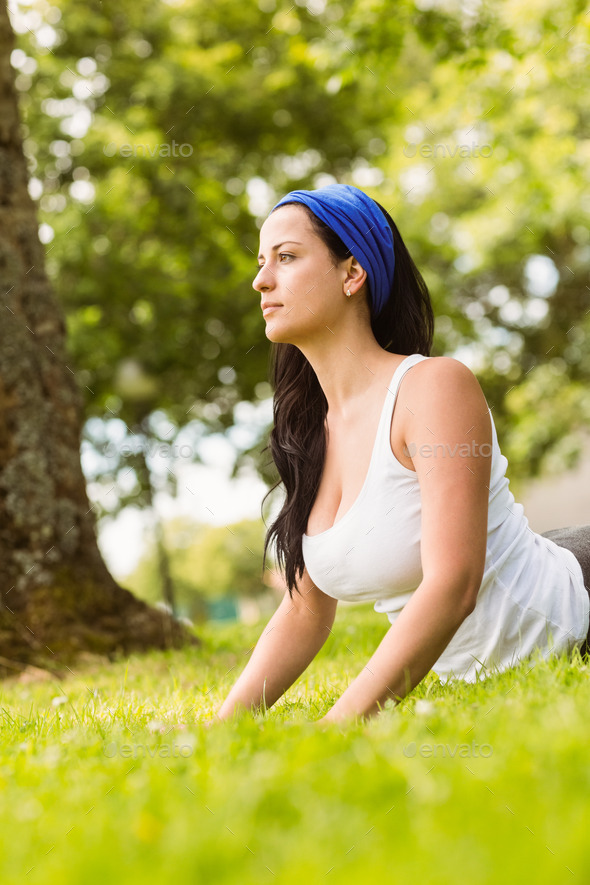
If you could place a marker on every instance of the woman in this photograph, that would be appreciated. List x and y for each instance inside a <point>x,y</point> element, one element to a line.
<point>410,507</point>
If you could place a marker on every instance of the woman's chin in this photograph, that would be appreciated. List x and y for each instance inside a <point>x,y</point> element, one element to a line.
<point>274,333</point>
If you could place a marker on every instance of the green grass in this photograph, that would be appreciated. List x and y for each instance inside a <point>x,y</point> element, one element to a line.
<point>484,783</point>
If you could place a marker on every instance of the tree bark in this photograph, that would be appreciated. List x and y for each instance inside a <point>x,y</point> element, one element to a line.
<point>57,597</point>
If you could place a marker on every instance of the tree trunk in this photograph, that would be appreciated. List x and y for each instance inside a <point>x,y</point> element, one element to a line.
<point>168,589</point>
<point>56,594</point>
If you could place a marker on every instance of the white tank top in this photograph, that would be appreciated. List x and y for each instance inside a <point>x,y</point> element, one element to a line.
<point>532,593</point>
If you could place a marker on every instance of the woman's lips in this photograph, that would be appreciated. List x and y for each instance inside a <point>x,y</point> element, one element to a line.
<point>267,310</point>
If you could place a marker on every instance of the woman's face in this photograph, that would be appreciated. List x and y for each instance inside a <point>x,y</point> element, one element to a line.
<point>297,273</point>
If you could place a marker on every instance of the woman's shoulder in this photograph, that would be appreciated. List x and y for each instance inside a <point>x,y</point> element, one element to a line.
<point>441,379</point>
<point>440,369</point>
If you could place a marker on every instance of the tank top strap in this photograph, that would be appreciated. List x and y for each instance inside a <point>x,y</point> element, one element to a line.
<point>384,433</point>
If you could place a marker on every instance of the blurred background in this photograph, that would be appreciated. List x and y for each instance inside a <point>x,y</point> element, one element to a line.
<point>159,135</point>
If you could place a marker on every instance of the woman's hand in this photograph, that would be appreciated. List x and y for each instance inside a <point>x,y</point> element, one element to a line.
<point>327,720</point>
<point>336,717</point>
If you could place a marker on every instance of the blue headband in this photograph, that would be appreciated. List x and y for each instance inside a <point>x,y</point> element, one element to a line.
<point>362,227</point>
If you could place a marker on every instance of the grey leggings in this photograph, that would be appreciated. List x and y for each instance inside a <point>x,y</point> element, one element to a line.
<point>577,539</point>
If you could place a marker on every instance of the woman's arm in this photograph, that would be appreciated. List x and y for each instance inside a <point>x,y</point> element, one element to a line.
<point>407,652</point>
<point>288,644</point>
<point>447,430</point>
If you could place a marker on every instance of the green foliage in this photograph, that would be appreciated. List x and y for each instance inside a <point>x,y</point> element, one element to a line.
<point>206,563</point>
<point>109,776</point>
<point>468,122</point>
<point>534,422</point>
<point>166,249</point>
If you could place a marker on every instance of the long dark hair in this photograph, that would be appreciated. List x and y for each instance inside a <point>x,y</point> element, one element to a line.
<point>298,440</point>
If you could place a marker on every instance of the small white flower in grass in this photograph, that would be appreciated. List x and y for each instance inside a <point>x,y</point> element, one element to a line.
<point>423,707</point>
<point>156,725</point>
<point>59,700</point>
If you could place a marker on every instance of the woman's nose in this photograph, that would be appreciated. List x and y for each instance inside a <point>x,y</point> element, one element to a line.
<point>262,280</point>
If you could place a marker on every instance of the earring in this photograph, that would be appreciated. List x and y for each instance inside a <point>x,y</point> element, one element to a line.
<point>348,294</point>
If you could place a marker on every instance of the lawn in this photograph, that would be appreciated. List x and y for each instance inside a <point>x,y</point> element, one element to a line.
<point>108,775</point>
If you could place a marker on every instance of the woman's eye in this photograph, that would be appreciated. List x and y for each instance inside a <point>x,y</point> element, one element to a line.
<point>281,255</point>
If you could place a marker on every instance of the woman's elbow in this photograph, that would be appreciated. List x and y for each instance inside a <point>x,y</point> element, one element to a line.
<point>462,587</point>
<point>472,587</point>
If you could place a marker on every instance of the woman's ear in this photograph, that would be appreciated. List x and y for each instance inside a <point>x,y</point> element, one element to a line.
<point>355,275</point>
